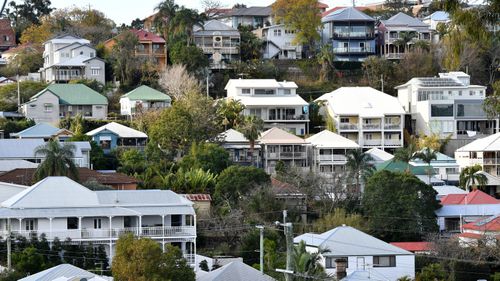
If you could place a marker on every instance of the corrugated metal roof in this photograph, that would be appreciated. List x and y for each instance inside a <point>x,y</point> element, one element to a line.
<point>489,143</point>
<point>235,270</point>
<point>74,94</point>
<point>347,14</point>
<point>62,270</point>
<point>146,93</point>
<point>330,139</point>
<point>402,19</point>
<point>215,26</point>
<point>39,130</point>
<point>120,130</point>
<point>279,136</point>
<point>252,11</point>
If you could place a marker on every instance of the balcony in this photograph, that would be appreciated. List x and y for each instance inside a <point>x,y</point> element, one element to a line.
<point>371,126</point>
<point>348,126</point>
<point>354,50</point>
<point>353,35</point>
<point>234,50</point>
<point>332,158</point>
<point>286,155</point>
<point>394,56</point>
<point>392,126</point>
<point>288,118</point>
<point>392,143</point>
<point>373,142</point>
<point>491,161</point>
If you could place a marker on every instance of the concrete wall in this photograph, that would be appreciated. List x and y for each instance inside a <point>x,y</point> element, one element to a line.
<point>36,110</point>
<point>100,111</point>
<point>96,64</point>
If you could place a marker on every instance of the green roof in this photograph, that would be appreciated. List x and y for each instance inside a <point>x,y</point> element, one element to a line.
<point>74,94</point>
<point>146,93</point>
<point>400,166</point>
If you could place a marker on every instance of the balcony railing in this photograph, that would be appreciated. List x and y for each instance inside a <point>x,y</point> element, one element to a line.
<point>491,161</point>
<point>288,117</point>
<point>353,50</point>
<point>348,126</point>
<point>234,50</point>
<point>155,231</point>
<point>332,158</point>
<point>286,155</point>
<point>375,142</point>
<point>392,142</point>
<point>395,56</point>
<point>392,126</point>
<point>353,34</point>
<point>371,126</point>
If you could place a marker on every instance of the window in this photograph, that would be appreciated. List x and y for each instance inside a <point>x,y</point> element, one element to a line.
<point>81,52</point>
<point>330,262</point>
<point>92,54</point>
<point>6,38</point>
<point>105,144</point>
<point>189,220</point>
<point>470,110</point>
<point>384,261</point>
<point>255,112</point>
<point>47,107</point>
<point>368,136</point>
<point>176,220</point>
<point>245,91</point>
<point>264,91</point>
<point>287,92</point>
<point>97,223</point>
<point>95,71</point>
<point>442,110</point>
<point>277,32</point>
<point>30,224</point>
<point>344,120</point>
<point>72,223</point>
<point>346,45</point>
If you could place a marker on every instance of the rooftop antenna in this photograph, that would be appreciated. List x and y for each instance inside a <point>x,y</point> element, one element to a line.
<point>354,3</point>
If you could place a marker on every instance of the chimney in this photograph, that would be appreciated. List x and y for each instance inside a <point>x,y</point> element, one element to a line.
<point>341,265</point>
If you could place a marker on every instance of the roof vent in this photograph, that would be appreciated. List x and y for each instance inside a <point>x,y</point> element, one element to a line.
<point>344,224</point>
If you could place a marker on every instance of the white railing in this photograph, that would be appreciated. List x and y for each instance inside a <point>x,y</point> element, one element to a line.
<point>372,142</point>
<point>348,126</point>
<point>392,142</point>
<point>190,258</point>
<point>371,126</point>
<point>392,126</point>
<point>354,50</point>
<point>394,55</point>
<point>333,158</point>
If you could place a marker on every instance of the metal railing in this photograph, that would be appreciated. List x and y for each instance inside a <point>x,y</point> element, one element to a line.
<point>392,126</point>
<point>342,50</point>
<point>372,142</point>
<point>392,142</point>
<point>371,126</point>
<point>288,117</point>
<point>348,126</point>
<point>275,155</point>
<point>333,158</point>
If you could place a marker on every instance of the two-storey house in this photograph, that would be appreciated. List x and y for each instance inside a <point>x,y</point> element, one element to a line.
<point>447,105</point>
<point>114,135</point>
<point>68,58</point>
<point>219,42</point>
<point>60,100</point>
<point>142,99</point>
<point>279,42</point>
<point>61,208</point>
<point>279,145</point>
<point>250,16</point>
<point>355,255</point>
<point>398,34</point>
<point>369,117</point>
<point>277,103</point>
<point>351,34</point>
<point>239,148</point>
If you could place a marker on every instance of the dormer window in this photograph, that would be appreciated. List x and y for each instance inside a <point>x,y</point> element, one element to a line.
<point>245,91</point>
<point>264,91</point>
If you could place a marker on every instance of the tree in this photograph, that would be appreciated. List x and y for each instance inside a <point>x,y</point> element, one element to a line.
<point>11,126</point>
<point>206,156</point>
<point>251,128</point>
<point>26,13</point>
<point>470,178</point>
<point>308,264</point>
<point>230,111</point>
<point>192,180</point>
<point>178,82</point>
<point>123,55</point>
<point>405,38</point>
<point>399,206</point>
<point>29,59</point>
<point>132,161</point>
<point>427,155</point>
<point>37,33</point>
<point>8,94</point>
<point>183,24</point>
<point>28,261</point>
<point>375,68</point>
<point>406,154</point>
<point>491,104</point>
<point>359,166</point>
<point>175,266</point>
<point>250,45</point>
<point>190,56</point>
<point>337,218</point>
<point>432,272</point>
<point>326,57</point>
<point>165,12</point>
<point>303,16</point>
<point>58,160</point>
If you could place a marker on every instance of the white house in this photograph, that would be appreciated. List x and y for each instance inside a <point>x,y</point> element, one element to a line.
<point>367,116</point>
<point>100,217</point>
<point>239,148</point>
<point>447,105</point>
<point>328,152</point>
<point>277,103</point>
<point>353,252</point>
<point>69,57</point>
<point>279,42</point>
<point>24,149</point>
<point>219,42</point>
<point>142,99</point>
<point>445,168</point>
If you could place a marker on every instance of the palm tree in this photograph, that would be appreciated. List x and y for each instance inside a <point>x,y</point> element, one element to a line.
<point>359,165</point>
<point>427,155</point>
<point>469,177</point>
<point>326,59</point>
<point>405,37</point>
<point>406,154</point>
<point>58,160</point>
<point>163,20</point>
<point>183,23</point>
<point>251,128</point>
<point>307,265</point>
<point>230,111</point>
<point>422,45</point>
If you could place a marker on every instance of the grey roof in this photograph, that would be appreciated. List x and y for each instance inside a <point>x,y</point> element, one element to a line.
<point>348,241</point>
<point>347,14</point>
<point>19,148</point>
<point>439,16</point>
<point>468,210</point>
<point>402,19</point>
<point>212,26</point>
<point>11,164</point>
<point>40,130</point>
<point>364,275</point>
<point>8,190</point>
<point>252,11</point>
<point>62,270</point>
<point>234,271</point>
<point>135,197</point>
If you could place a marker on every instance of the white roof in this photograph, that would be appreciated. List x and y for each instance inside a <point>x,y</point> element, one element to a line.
<point>120,130</point>
<point>291,100</point>
<point>330,139</point>
<point>379,155</point>
<point>232,135</point>
<point>279,136</point>
<point>7,190</point>
<point>489,143</point>
<point>444,190</point>
<point>348,241</point>
<point>362,101</point>
<point>491,179</point>
<point>74,61</point>
<point>25,148</point>
<point>259,83</point>
<point>364,275</point>
<point>235,270</point>
<point>63,272</point>
<point>9,165</point>
<point>468,210</point>
<point>68,39</point>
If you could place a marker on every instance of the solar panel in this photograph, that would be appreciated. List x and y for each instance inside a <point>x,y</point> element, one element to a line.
<point>439,82</point>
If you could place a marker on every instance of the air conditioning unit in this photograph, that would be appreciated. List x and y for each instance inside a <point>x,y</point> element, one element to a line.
<point>217,41</point>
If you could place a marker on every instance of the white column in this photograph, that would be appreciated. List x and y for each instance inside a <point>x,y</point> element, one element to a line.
<point>50,229</point>
<point>110,227</point>
<point>80,226</point>
<point>20,226</point>
<point>140,226</point>
<point>163,229</point>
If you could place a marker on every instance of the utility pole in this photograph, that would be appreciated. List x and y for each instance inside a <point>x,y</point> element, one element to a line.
<point>382,82</point>
<point>9,263</point>
<point>288,230</point>
<point>207,86</point>
<point>261,251</point>
<point>18,92</point>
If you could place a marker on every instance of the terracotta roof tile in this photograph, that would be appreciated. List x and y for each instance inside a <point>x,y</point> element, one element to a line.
<point>413,246</point>
<point>198,197</point>
<point>485,224</point>
<point>474,197</point>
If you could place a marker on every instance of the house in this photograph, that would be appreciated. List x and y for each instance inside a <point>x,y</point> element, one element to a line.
<point>378,155</point>
<point>202,204</point>
<point>236,270</point>
<point>444,168</point>
<point>219,42</point>
<point>394,165</point>
<point>151,47</point>
<point>369,117</point>
<point>353,252</point>
<point>251,16</point>
<point>447,105</point>
<point>7,35</point>
<point>459,209</point>
<point>24,149</point>
<point>114,180</point>
<point>414,247</point>
<point>142,99</point>
<point>486,230</point>
<point>6,81</point>
<point>484,152</point>
<point>100,217</point>
<point>398,35</point>
<point>443,190</point>
<point>60,100</point>
<point>350,32</point>
<point>43,131</point>
<point>68,57</point>
<point>8,190</point>
<point>291,196</point>
<point>239,149</point>
<point>9,165</point>
<point>114,135</point>
<point>328,152</point>
<point>436,19</point>
<point>65,272</point>
<point>279,42</point>
<point>277,103</point>
<point>278,145</point>
<point>26,48</point>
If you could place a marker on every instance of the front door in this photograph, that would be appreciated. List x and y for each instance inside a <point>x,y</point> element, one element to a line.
<point>360,263</point>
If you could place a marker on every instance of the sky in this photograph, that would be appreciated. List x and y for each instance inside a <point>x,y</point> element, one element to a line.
<point>124,11</point>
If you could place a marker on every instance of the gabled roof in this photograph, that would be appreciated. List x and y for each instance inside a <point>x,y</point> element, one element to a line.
<point>11,164</point>
<point>438,16</point>
<point>471,198</point>
<point>347,14</point>
<point>400,166</point>
<point>413,246</point>
<point>379,155</point>
<point>235,270</point>
<point>252,11</point>
<point>79,60</point>
<point>231,135</point>
<point>118,129</point>
<point>40,130</point>
<point>327,12</point>
<point>348,241</point>
<point>146,93</point>
<point>490,179</point>
<point>74,94</point>
<point>144,35</point>
<point>63,272</point>
<point>279,136</point>
<point>212,26</point>
<point>443,190</point>
<point>489,143</point>
<point>330,139</point>
<point>7,190</point>
<point>490,224</point>
<point>362,101</point>
<point>19,148</point>
<point>402,19</point>
<point>68,39</point>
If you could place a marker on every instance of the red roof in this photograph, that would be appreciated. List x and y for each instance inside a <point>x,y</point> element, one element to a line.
<point>470,235</point>
<point>485,224</point>
<point>198,197</point>
<point>474,197</point>
<point>144,35</point>
<point>413,246</point>
<point>326,13</point>
<point>322,5</point>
